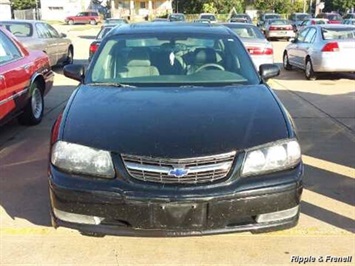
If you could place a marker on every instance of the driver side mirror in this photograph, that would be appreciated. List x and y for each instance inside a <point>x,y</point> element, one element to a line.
<point>293,40</point>
<point>268,71</point>
<point>74,71</point>
<point>63,35</point>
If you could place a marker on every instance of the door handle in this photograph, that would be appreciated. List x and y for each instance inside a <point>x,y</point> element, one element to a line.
<point>26,67</point>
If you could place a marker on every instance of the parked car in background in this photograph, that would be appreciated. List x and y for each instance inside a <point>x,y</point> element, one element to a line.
<point>86,17</point>
<point>279,29</point>
<point>298,18</point>
<point>38,35</point>
<point>202,21</point>
<point>211,17</point>
<point>240,18</point>
<point>312,21</point>
<point>148,145</point>
<point>349,16</point>
<point>333,18</point>
<point>25,78</point>
<point>176,17</point>
<point>265,17</point>
<point>322,48</point>
<point>260,49</point>
<point>349,21</point>
<point>105,29</point>
<point>160,20</point>
<point>115,21</point>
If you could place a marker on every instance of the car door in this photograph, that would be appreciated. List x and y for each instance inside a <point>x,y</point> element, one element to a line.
<point>14,77</point>
<point>295,56</point>
<point>50,43</point>
<point>306,47</point>
<point>84,17</point>
<point>60,43</point>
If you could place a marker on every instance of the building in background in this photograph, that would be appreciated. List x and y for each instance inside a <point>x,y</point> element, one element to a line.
<point>5,9</point>
<point>60,9</point>
<point>135,10</point>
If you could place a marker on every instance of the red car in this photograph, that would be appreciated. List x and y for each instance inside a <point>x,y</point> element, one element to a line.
<point>25,77</point>
<point>91,17</point>
<point>334,18</point>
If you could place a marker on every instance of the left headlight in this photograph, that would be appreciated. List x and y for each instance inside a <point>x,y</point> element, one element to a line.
<point>271,157</point>
<point>80,159</point>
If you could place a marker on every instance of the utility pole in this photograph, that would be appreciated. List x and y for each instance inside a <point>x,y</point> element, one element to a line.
<point>310,7</point>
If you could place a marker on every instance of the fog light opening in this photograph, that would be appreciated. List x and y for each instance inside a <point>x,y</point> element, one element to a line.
<point>276,216</point>
<point>77,218</point>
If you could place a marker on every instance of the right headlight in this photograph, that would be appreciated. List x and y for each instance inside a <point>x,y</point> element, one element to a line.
<point>79,159</point>
<point>271,157</point>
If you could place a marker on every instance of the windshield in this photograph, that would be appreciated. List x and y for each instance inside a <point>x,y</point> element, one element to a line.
<point>303,16</point>
<point>188,59</point>
<point>279,22</point>
<point>273,16</point>
<point>177,17</point>
<point>334,17</point>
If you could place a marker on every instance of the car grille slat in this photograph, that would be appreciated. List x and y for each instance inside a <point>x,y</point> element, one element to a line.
<point>198,170</point>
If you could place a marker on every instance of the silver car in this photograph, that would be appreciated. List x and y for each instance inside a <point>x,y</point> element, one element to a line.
<point>322,48</point>
<point>38,35</point>
<point>278,29</point>
<point>260,49</point>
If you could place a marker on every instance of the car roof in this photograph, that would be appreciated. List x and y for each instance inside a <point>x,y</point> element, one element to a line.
<point>22,21</point>
<point>172,27</point>
<point>335,26</point>
<point>237,24</point>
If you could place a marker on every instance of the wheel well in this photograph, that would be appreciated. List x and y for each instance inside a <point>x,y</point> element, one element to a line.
<point>307,58</point>
<point>40,81</point>
<point>71,47</point>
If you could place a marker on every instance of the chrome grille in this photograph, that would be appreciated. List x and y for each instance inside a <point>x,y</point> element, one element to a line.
<point>179,171</point>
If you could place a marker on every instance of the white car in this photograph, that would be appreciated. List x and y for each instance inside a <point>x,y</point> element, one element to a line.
<point>211,17</point>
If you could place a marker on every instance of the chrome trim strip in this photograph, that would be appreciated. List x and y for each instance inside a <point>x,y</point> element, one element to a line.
<point>13,96</point>
<point>166,170</point>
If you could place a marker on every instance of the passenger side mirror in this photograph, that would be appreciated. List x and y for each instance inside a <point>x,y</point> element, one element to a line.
<point>268,71</point>
<point>63,35</point>
<point>293,40</point>
<point>74,71</point>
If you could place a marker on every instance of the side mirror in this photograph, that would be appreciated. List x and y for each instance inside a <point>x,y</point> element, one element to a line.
<point>293,40</point>
<point>74,71</point>
<point>268,71</point>
<point>63,35</point>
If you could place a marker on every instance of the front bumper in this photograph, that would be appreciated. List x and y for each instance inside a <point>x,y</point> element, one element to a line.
<point>120,213</point>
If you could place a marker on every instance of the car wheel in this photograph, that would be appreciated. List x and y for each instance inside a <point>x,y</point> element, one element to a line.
<point>309,72</point>
<point>71,22</point>
<point>286,63</point>
<point>93,22</point>
<point>33,112</point>
<point>70,57</point>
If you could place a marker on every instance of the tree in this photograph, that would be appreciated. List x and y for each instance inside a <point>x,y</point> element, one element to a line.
<point>338,5</point>
<point>23,4</point>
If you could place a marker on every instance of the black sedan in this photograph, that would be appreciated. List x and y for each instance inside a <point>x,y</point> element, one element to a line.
<point>172,131</point>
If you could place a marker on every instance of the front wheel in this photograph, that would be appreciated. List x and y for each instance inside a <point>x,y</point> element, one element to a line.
<point>71,22</point>
<point>286,63</point>
<point>70,57</point>
<point>33,112</point>
<point>93,22</point>
<point>309,72</point>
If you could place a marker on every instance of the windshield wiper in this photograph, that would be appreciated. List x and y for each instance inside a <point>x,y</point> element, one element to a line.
<point>111,84</point>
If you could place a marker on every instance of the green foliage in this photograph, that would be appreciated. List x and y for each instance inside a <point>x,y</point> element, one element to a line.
<point>209,8</point>
<point>338,5</point>
<point>198,6</point>
<point>23,4</point>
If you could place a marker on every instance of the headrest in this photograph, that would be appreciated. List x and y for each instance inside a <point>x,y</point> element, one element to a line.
<point>205,56</point>
<point>138,57</point>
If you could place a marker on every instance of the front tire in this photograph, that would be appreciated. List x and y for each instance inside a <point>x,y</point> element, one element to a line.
<point>286,63</point>
<point>70,57</point>
<point>309,72</point>
<point>71,22</point>
<point>93,22</point>
<point>33,112</point>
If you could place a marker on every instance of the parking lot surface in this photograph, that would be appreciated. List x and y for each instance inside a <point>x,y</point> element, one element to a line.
<point>324,113</point>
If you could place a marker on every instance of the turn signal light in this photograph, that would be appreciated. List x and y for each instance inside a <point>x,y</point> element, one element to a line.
<point>331,47</point>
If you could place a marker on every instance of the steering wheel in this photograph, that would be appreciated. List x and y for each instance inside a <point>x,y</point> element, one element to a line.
<point>210,65</point>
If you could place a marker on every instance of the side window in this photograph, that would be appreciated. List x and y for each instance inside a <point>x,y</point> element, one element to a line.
<point>310,35</point>
<point>8,50</point>
<point>302,35</point>
<point>42,31</point>
<point>52,31</point>
<point>85,14</point>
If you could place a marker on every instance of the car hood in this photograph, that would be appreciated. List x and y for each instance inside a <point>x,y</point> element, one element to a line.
<point>174,123</point>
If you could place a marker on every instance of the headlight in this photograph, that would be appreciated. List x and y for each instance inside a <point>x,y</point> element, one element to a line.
<point>271,157</point>
<point>80,159</point>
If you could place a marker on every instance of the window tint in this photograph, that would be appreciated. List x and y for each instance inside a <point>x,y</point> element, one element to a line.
<point>310,35</point>
<point>302,35</point>
<point>338,33</point>
<point>251,32</point>
<point>42,31</point>
<point>52,31</point>
<point>8,50</point>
